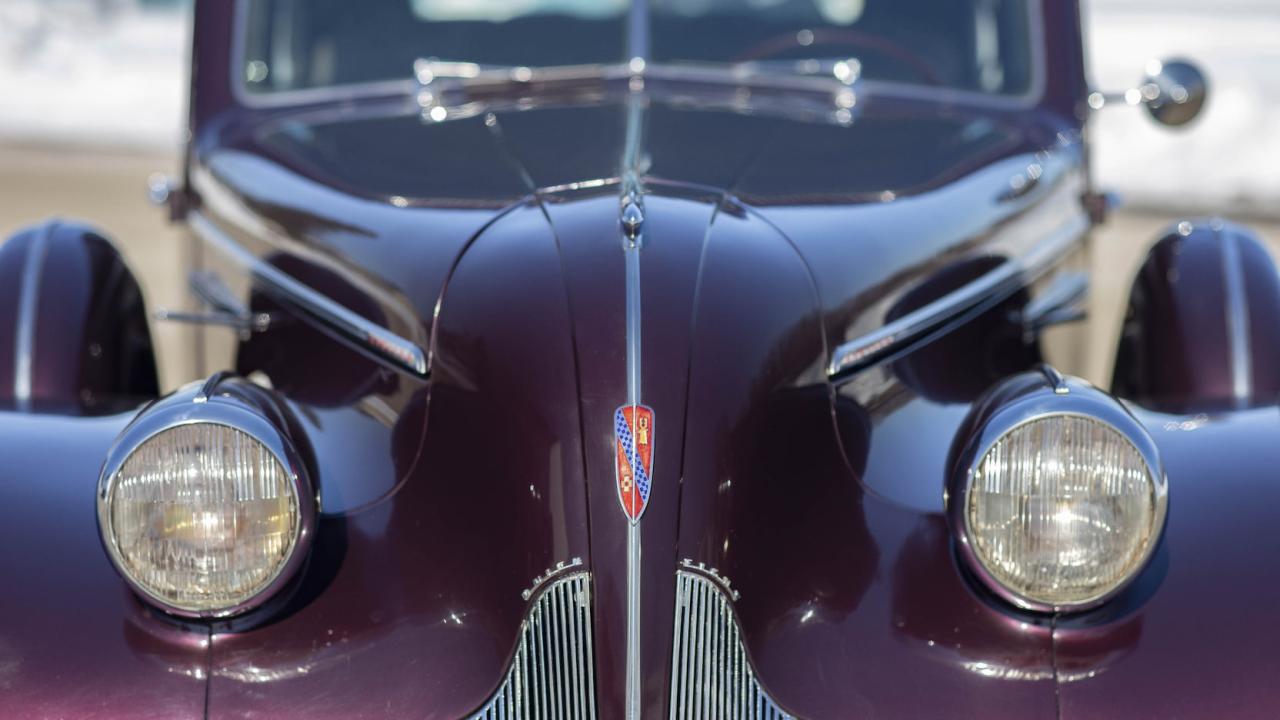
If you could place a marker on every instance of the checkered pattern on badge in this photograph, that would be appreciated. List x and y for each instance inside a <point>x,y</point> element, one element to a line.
<point>623,430</point>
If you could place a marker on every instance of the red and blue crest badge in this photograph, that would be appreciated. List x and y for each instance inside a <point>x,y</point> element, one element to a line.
<point>633,430</point>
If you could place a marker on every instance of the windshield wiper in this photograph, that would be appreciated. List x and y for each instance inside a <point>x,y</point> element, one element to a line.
<point>473,83</point>
<point>845,71</point>
<point>833,80</point>
<point>430,71</point>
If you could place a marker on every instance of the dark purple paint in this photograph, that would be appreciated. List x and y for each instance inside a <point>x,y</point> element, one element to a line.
<point>768,246</point>
<point>1198,640</point>
<point>1176,347</point>
<point>91,349</point>
<point>75,642</point>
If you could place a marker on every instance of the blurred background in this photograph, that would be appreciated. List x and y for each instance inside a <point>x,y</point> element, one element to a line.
<point>93,101</point>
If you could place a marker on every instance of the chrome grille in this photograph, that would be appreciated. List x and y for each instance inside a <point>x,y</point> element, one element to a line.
<point>710,674</point>
<point>552,674</point>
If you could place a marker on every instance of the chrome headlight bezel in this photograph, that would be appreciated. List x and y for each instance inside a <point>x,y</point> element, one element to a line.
<point>234,404</point>
<point>1016,403</point>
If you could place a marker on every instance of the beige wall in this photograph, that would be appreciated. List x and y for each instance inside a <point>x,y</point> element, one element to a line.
<point>108,190</point>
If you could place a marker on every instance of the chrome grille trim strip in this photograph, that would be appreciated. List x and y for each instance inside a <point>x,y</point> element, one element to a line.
<point>711,676</point>
<point>552,674</point>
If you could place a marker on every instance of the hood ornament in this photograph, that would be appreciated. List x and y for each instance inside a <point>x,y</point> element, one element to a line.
<point>632,218</point>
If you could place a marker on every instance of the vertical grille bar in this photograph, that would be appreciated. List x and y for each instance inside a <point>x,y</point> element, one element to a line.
<point>711,676</point>
<point>552,675</point>
<point>681,605</point>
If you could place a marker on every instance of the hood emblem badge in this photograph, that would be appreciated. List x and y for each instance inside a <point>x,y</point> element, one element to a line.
<point>633,431</point>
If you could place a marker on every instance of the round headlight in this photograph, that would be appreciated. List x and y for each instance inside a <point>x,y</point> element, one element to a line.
<point>1062,500</point>
<point>203,507</point>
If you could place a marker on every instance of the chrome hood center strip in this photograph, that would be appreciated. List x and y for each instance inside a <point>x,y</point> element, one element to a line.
<point>630,224</point>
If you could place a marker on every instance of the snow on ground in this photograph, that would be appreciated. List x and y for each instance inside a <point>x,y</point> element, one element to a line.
<point>104,72</point>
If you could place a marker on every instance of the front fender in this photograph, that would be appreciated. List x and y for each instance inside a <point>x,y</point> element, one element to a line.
<point>73,325</point>
<point>1200,621</point>
<point>1200,330</point>
<point>74,642</point>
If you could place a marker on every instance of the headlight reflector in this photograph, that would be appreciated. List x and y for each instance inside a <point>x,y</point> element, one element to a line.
<point>1062,510</point>
<point>204,514</point>
<point>1062,498</point>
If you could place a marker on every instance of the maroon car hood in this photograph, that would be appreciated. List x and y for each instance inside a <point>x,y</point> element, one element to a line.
<point>766,240</point>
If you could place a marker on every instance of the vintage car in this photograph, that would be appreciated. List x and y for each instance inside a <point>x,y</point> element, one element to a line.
<point>652,359</point>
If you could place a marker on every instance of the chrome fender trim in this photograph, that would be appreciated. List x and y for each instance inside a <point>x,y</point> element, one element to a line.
<point>867,350</point>
<point>392,348</point>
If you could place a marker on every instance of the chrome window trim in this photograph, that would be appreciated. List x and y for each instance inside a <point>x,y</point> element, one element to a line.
<point>24,342</point>
<point>198,404</point>
<point>638,42</point>
<point>860,353</point>
<point>390,347</point>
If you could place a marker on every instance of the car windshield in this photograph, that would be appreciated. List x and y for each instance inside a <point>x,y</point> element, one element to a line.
<point>974,45</point>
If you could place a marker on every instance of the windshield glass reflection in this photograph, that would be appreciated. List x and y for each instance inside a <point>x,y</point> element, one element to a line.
<point>974,45</point>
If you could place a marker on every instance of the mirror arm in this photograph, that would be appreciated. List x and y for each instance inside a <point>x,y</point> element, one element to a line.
<point>1145,93</point>
<point>1172,91</point>
<point>224,308</point>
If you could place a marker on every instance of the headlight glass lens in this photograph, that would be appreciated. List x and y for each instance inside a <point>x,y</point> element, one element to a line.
<point>1062,510</point>
<point>203,516</point>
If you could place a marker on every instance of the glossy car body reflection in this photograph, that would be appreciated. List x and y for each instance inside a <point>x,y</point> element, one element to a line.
<point>490,241</point>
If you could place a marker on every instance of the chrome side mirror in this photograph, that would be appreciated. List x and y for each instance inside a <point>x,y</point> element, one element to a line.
<point>1173,91</point>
